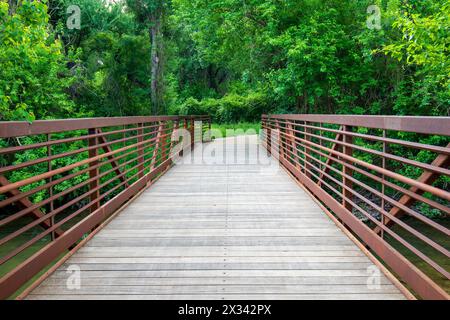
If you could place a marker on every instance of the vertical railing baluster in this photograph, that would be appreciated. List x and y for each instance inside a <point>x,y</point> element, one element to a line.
<point>280,140</point>
<point>209,128</point>
<point>383,178</point>
<point>94,172</point>
<point>156,146</point>
<point>140,153</point>
<point>164,143</point>
<point>295,145</point>
<point>347,150</point>
<point>268,126</point>
<point>292,143</point>
<point>308,154</point>
<point>321,165</point>
<point>192,132</point>
<point>50,189</point>
<point>176,125</point>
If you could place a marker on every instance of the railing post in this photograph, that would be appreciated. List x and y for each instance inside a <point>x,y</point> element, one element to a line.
<point>185,127</point>
<point>307,164</point>
<point>156,146</point>
<point>280,140</point>
<point>93,173</point>
<point>209,128</point>
<point>140,139</point>
<point>176,125</point>
<point>192,132</point>
<point>292,144</point>
<point>345,170</point>
<point>383,187</point>
<point>268,136</point>
<point>50,189</point>
<point>164,153</point>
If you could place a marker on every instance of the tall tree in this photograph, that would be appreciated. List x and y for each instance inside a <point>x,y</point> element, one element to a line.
<point>151,14</point>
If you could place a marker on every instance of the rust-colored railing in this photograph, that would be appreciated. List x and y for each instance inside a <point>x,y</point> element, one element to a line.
<point>385,178</point>
<point>60,179</point>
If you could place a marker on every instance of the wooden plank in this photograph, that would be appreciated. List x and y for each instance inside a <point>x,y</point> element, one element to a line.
<point>332,296</point>
<point>201,232</point>
<point>221,289</point>
<point>215,241</point>
<point>215,259</point>
<point>88,274</point>
<point>300,223</point>
<point>147,253</point>
<point>222,281</point>
<point>223,266</point>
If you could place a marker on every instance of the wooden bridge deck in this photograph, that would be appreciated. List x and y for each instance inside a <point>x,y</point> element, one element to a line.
<point>221,231</point>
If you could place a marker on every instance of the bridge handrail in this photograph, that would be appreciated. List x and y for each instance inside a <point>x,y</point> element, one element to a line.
<point>370,171</point>
<point>60,179</point>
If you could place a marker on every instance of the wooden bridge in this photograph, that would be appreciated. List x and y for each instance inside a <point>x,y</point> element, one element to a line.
<point>136,208</point>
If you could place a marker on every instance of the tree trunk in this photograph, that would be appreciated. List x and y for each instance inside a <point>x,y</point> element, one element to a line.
<point>12,6</point>
<point>155,38</point>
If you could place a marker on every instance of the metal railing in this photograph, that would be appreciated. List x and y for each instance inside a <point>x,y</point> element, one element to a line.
<point>385,178</point>
<point>59,179</point>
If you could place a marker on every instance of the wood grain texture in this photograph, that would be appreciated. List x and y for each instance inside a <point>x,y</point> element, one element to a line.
<point>233,228</point>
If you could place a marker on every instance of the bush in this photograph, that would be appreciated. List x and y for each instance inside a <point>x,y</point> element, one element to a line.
<point>229,109</point>
<point>33,77</point>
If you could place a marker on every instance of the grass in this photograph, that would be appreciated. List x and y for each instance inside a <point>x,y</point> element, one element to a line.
<point>17,260</point>
<point>431,233</point>
<point>236,129</point>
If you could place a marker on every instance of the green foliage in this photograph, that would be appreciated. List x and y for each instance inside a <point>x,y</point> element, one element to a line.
<point>231,108</point>
<point>33,77</point>
<point>230,59</point>
<point>111,76</point>
<point>425,41</point>
<point>113,79</point>
<point>315,56</point>
<point>422,48</point>
<point>236,129</point>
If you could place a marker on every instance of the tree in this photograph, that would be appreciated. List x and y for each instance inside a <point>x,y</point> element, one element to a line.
<point>151,14</point>
<point>424,41</point>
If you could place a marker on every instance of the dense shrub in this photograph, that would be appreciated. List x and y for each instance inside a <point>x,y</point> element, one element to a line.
<point>229,109</point>
<point>33,79</point>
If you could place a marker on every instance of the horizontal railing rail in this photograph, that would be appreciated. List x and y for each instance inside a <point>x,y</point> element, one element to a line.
<point>60,179</point>
<point>385,178</point>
